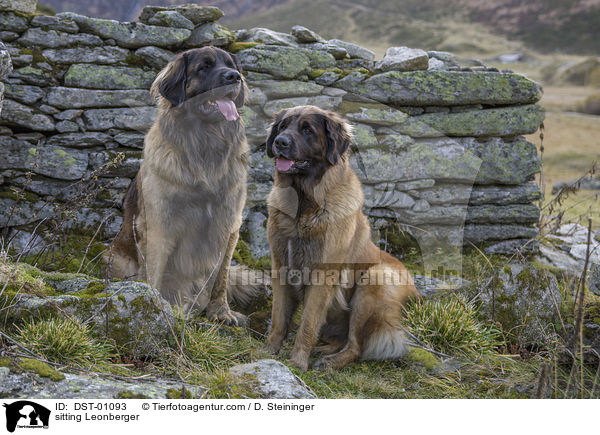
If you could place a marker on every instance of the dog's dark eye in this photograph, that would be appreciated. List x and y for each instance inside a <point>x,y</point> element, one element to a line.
<point>307,131</point>
<point>205,65</point>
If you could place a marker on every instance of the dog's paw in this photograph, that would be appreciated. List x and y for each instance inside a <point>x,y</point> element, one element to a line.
<point>228,317</point>
<point>322,363</point>
<point>299,362</point>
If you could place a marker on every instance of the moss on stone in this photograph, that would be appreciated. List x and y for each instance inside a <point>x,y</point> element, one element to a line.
<point>421,357</point>
<point>40,368</point>
<point>182,393</point>
<point>243,255</point>
<point>236,46</point>
<point>126,394</point>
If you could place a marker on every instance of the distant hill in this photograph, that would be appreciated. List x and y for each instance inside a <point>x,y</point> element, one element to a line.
<point>477,26</point>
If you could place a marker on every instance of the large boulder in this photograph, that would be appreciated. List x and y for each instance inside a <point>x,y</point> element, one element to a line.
<point>403,59</point>
<point>525,300</point>
<point>25,6</point>
<point>133,314</point>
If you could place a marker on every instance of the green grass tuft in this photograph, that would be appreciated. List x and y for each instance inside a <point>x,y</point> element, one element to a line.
<point>450,325</point>
<point>64,341</point>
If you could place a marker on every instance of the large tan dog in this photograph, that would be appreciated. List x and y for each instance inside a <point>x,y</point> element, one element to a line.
<point>322,251</point>
<point>183,212</point>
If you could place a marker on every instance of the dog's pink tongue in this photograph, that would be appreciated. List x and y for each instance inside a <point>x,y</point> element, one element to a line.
<point>228,109</point>
<point>283,164</point>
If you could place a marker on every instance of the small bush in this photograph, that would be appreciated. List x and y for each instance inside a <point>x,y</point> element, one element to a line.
<point>64,341</point>
<point>450,325</point>
<point>591,105</point>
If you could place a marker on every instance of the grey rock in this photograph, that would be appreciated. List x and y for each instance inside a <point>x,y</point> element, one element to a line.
<point>68,115</point>
<point>428,286</point>
<point>380,116</point>
<point>337,51</point>
<point>282,62</point>
<point>441,55</point>
<point>334,92</point>
<point>512,247</point>
<point>579,252</point>
<point>8,36</point>
<point>108,77</point>
<point>61,24</point>
<point>517,213</point>
<point>430,88</point>
<point>66,98</point>
<point>506,121</point>
<point>466,160</point>
<point>79,140</point>
<point>479,195</point>
<point>140,318</point>
<point>25,6</point>
<point>49,110</point>
<point>524,299</point>
<point>195,13</point>
<point>135,118</point>
<point>101,55</point>
<point>66,126</point>
<point>396,142</point>
<point>156,57</point>
<point>421,205</point>
<point>17,114</point>
<point>52,39</point>
<point>266,36</point>
<point>392,199</point>
<point>130,35</point>
<point>171,19</point>
<point>304,35</point>
<point>256,125</point>
<point>436,65</point>
<point>403,59</point>
<point>275,380</point>
<point>327,78</point>
<point>128,168</point>
<point>258,193</point>
<point>482,233</point>
<point>12,22</point>
<point>255,97</point>
<point>59,189</point>
<point>50,160</point>
<point>274,89</point>
<point>23,93</point>
<point>261,168</point>
<point>15,213</point>
<point>322,101</point>
<point>363,137</point>
<point>26,243</point>
<point>559,259</point>
<point>128,139</point>
<point>80,386</point>
<point>353,50</point>
<point>209,34</point>
<point>594,279</point>
<point>257,234</point>
<point>34,76</point>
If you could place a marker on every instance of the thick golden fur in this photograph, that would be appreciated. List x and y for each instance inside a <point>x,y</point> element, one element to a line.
<point>183,212</point>
<point>316,224</point>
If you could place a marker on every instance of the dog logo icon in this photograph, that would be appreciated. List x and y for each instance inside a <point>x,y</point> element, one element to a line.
<point>26,414</point>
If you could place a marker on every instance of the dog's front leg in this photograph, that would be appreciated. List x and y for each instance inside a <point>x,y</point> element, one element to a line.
<point>284,306</point>
<point>218,308</point>
<point>318,300</point>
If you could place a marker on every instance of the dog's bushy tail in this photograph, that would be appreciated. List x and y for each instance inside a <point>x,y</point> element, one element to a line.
<point>246,285</point>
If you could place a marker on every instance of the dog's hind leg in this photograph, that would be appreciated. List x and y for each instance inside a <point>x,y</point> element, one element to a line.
<point>218,308</point>
<point>374,332</point>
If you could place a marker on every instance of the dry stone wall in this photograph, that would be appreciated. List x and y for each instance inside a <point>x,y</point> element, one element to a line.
<point>438,144</point>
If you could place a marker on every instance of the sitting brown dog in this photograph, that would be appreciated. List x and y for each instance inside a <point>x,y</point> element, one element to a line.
<point>321,248</point>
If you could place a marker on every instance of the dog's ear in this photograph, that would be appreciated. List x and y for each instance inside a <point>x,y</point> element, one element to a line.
<point>274,131</point>
<point>338,137</point>
<point>172,81</point>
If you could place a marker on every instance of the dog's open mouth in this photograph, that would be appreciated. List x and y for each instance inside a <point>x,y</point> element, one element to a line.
<point>286,165</point>
<point>223,105</point>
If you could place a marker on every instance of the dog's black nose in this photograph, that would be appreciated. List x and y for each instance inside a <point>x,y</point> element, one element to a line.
<point>282,142</point>
<point>231,76</point>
